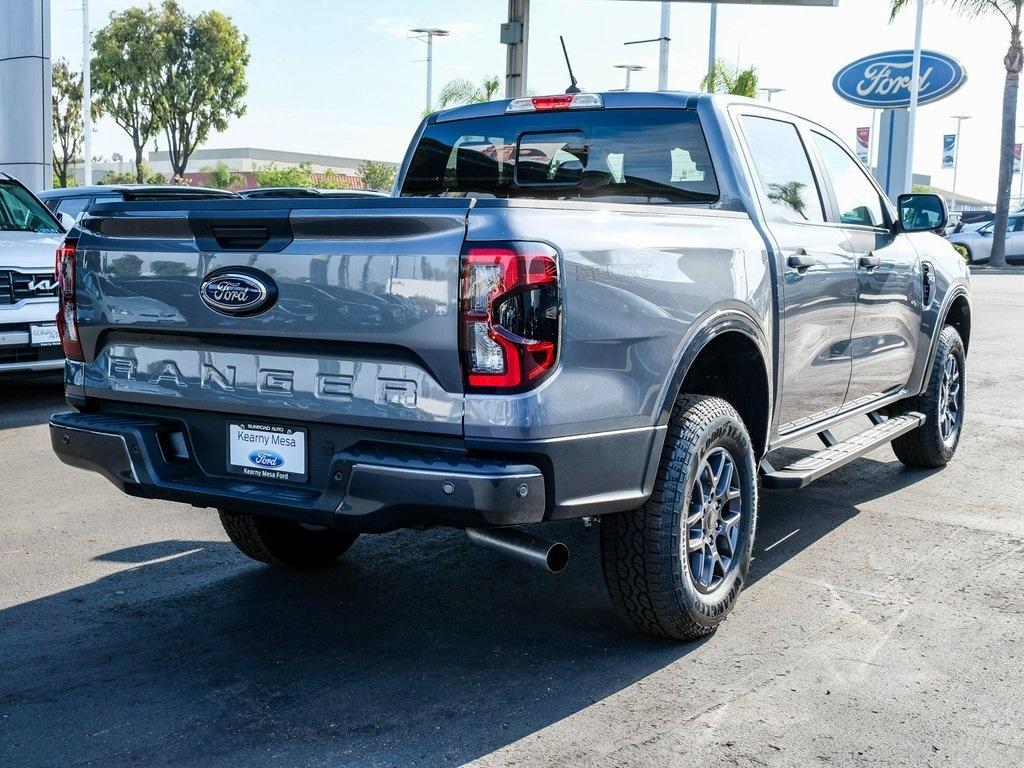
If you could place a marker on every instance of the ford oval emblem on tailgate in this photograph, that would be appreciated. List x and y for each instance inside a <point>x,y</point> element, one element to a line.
<point>237,292</point>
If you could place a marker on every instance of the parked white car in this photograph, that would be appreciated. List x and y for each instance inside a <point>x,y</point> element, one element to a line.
<point>29,237</point>
<point>976,246</point>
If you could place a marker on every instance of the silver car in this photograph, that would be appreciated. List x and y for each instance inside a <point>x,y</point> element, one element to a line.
<point>976,246</point>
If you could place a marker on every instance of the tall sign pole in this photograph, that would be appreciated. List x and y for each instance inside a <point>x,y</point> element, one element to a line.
<point>956,155</point>
<point>915,95</point>
<point>86,95</point>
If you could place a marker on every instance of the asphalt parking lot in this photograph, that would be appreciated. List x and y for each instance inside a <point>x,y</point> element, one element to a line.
<point>883,625</point>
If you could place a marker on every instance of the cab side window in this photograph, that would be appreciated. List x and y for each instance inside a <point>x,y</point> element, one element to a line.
<point>783,169</point>
<point>858,200</point>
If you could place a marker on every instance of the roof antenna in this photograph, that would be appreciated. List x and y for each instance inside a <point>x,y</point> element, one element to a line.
<point>573,88</point>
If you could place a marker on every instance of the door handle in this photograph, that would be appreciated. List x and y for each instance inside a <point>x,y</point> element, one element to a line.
<point>870,261</point>
<point>801,260</point>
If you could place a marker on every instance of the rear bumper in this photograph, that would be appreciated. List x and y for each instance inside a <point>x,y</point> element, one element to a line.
<point>363,491</point>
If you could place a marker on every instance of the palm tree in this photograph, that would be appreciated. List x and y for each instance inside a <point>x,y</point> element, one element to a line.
<point>725,78</point>
<point>1011,11</point>
<point>462,91</point>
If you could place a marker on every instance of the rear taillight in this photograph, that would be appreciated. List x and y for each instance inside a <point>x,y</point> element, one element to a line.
<point>510,315</point>
<point>67,314</point>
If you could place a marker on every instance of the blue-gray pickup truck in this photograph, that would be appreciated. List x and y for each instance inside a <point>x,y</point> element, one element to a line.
<point>612,307</point>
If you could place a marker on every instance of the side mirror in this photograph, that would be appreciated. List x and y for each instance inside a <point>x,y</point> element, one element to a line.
<point>920,212</point>
<point>66,220</point>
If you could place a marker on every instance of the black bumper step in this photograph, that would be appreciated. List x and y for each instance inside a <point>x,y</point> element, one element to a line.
<point>810,468</point>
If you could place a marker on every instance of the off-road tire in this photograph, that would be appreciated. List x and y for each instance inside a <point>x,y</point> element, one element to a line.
<point>924,446</point>
<point>284,543</point>
<point>648,577</point>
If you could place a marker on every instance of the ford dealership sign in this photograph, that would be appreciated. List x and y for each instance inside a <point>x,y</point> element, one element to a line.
<point>882,80</point>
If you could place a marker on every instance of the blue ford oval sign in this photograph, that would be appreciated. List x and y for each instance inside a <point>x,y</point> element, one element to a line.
<point>234,292</point>
<point>882,80</point>
<point>268,459</point>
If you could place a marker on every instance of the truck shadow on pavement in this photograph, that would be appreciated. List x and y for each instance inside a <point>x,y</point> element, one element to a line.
<point>25,402</point>
<point>418,648</point>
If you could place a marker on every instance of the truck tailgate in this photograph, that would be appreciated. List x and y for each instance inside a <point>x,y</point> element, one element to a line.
<point>363,331</point>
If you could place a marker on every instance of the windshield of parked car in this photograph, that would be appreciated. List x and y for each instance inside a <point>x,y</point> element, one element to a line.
<point>629,156</point>
<point>21,212</point>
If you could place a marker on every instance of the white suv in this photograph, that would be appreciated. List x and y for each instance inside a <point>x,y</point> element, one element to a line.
<point>29,236</point>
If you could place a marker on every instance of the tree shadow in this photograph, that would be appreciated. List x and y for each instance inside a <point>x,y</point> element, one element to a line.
<point>418,648</point>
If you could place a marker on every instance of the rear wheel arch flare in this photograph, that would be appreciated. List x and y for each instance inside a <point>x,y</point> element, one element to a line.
<point>730,364</point>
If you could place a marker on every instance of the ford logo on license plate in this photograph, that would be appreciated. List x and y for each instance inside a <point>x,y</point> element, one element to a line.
<point>237,292</point>
<point>268,459</point>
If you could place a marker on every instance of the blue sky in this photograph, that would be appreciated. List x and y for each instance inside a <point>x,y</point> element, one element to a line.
<point>342,77</point>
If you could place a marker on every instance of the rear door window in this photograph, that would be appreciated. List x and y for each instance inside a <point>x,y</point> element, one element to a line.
<point>634,156</point>
<point>783,169</point>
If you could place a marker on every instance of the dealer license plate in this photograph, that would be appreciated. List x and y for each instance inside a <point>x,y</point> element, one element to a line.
<point>43,335</point>
<point>267,451</point>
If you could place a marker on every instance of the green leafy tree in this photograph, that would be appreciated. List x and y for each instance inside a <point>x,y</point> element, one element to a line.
<point>300,175</point>
<point>1011,11</point>
<point>329,179</point>
<point>201,82</point>
<point>725,78</point>
<point>222,177</point>
<point>378,176</point>
<point>68,127</point>
<point>125,75</point>
<point>462,91</point>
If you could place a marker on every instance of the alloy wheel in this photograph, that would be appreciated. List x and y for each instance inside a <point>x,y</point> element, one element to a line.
<point>950,399</point>
<point>713,521</point>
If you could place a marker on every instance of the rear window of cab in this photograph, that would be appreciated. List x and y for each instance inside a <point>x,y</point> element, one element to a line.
<point>613,155</point>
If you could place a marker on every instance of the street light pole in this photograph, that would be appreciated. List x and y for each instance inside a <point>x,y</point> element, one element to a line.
<point>915,95</point>
<point>769,92</point>
<point>630,69</point>
<point>86,95</point>
<point>430,33</point>
<point>956,155</point>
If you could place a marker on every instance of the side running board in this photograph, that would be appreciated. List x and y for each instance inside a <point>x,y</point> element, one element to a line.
<point>839,454</point>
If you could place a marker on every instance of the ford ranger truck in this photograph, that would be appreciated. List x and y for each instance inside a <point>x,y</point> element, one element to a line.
<point>29,235</point>
<point>607,306</point>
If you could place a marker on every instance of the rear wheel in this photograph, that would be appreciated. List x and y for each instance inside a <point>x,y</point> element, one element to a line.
<point>934,442</point>
<point>675,566</point>
<point>285,543</point>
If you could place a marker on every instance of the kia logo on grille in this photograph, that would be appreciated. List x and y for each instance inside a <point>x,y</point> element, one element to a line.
<point>234,292</point>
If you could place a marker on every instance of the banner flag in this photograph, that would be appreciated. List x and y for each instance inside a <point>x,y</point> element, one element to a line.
<point>864,145</point>
<point>949,150</point>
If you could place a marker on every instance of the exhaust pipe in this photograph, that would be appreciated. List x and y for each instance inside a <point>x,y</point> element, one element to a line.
<point>550,556</point>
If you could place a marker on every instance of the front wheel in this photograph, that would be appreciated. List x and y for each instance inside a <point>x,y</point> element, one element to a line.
<point>285,543</point>
<point>933,444</point>
<point>675,566</point>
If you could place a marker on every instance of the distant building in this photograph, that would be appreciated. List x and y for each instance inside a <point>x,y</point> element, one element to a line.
<point>241,160</point>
